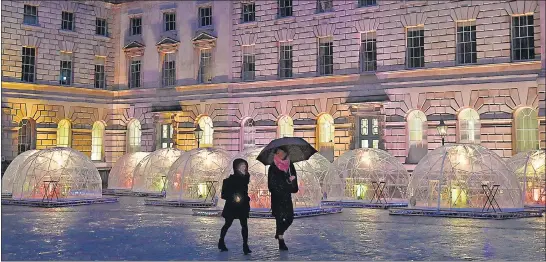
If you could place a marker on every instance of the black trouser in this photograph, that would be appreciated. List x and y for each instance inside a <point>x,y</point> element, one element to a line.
<point>282,224</point>
<point>244,228</point>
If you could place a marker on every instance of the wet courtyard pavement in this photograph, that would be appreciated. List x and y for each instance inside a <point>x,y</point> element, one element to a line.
<point>128,230</point>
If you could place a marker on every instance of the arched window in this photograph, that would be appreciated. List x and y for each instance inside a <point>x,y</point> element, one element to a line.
<point>469,126</point>
<point>134,135</point>
<point>248,134</point>
<point>286,127</point>
<point>326,130</point>
<point>97,138</point>
<point>526,129</point>
<point>64,133</point>
<point>26,135</point>
<point>205,123</point>
<point>417,133</point>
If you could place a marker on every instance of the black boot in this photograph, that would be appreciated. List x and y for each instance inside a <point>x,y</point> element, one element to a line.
<point>222,245</point>
<point>282,245</point>
<point>246,249</point>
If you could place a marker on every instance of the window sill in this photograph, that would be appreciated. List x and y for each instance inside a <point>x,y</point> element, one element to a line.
<point>363,9</point>
<point>247,24</point>
<point>285,20</point>
<point>31,27</point>
<point>68,32</point>
<point>325,14</point>
<point>102,37</point>
<point>368,73</point>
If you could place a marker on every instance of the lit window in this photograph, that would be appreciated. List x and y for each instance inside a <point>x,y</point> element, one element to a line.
<point>286,127</point>
<point>523,38</point>
<point>415,48</point>
<point>134,73</point>
<point>133,136</point>
<point>205,16</point>
<point>285,60</point>
<point>30,15</point>
<point>369,132</point>
<point>324,5</point>
<point>368,52</point>
<point>526,125</point>
<point>166,136</point>
<point>67,22</point>
<point>417,125</point>
<point>248,133</point>
<point>205,123</point>
<point>28,72</point>
<point>26,135</point>
<point>64,133</point>
<point>325,129</point>
<point>205,64</point>
<point>100,74</point>
<point>136,25</point>
<point>101,27</point>
<point>249,66</point>
<point>363,3</point>
<point>65,77</point>
<point>169,69</point>
<point>97,137</point>
<point>469,126</point>
<point>326,56</point>
<point>466,42</point>
<point>248,12</point>
<point>285,8</point>
<point>170,21</point>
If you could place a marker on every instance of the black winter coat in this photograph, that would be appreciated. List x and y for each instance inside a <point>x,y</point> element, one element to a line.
<point>281,191</point>
<point>235,192</point>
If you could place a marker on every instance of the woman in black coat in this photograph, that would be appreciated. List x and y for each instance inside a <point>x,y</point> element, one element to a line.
<point>235,192</point>
<point>282,182</point>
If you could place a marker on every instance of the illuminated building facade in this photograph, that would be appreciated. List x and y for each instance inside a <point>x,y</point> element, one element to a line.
<point>107,78</point>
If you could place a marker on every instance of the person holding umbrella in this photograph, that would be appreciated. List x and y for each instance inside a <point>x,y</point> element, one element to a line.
<point>280,155</point>
<point>235,192</point>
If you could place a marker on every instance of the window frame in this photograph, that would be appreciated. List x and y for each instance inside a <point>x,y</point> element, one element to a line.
<point>325,123</point>
<point>134,27</point>
<point>206,124</point>
<point>67,67</point>
<point>529,38</point>
<point>166,139</point>
<point>286,60</point>
<point>471,129</point>
<point>366,39</point>
<point>325,52</point>
<point>324,6</point>
<point>421,48</point>
<point>205,66</point>
<point>285,8</point>
<point>100,76</point>
<point>135,76</point>
<point>526,133</point>
<point>68,21</point>
<point>248,66</point>
<point>462,44</point>
<point>205,20</point>
<point>422,128</point>
<point>370,136</point>
<point>285,126</point>
<point>169,25</point>
<point>134,136</point>
<point>248,133</point>
<point>168,69</point>
<point>97,141</point>
<point>101,26</point>
<point>67,127</point>
<point>28,77</point>
<point>247,15</point>
<point>30,15</point>
<point>26,135</point>
<point>367,3</point>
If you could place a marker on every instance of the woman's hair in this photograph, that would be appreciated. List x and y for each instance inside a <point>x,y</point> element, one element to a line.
<point>281,148</point>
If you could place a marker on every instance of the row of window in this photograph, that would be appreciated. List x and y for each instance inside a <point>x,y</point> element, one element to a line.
<point>468,125</point>
<point>68,22</point>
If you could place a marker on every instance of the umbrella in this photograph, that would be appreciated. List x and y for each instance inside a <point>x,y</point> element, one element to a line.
<point>297,149</point>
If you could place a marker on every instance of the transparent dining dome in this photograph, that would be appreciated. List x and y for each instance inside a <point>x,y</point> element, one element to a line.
<point>309,194</point>
<point>121,174</point>
<point>367,175</point>
<point>529,168</point>
<point>320,165</point>
<point>463,176</point>
<point>13,171</point>
<point>197,174</point>
<point>151,173</point>
<point>57,173</point>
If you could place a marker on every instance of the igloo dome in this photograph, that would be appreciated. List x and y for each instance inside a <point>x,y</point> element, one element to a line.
<point>121,175</point>
<point>12,171</point>
<point>59,172</point>
<point>197,174</point>
<point>151,173</point>
<point>320,165</point>
<point>529,168</point>
<point>463,176</point>
<point>309,194</point>
<point>360,174</point>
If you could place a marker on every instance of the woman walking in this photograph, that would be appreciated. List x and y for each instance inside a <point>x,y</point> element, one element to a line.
<point>235,192</point>
<point>282,183</point>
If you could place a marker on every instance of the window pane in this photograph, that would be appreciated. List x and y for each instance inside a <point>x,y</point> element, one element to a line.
<point>205,70</point>
<point>285,60</point>
<point>375,143</point>
<point>205,16</point>
<point>365,144</point>
<point>326,56</point>
<point>364,127</point>
<point>466,42</point>
<point>415,49</point>
<point>248,12</point>
<point>523,38</point>
<point>28,64</point>
<point>249,68</point>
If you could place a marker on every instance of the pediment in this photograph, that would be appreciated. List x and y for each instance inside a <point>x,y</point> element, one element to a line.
<point>168,41</point>
<point>204,36</point>
<point>134,44</point>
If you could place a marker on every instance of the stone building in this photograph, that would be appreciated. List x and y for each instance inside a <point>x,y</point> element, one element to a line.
<point>110,77</point>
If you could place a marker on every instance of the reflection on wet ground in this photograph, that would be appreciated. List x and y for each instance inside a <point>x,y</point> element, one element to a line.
<point>128,230</point>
